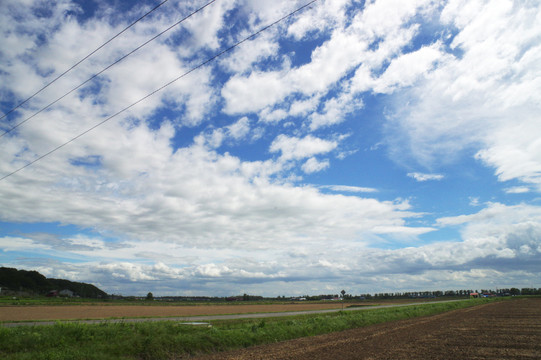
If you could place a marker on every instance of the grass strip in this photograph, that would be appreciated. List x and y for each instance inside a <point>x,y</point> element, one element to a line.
<point>173,340</point>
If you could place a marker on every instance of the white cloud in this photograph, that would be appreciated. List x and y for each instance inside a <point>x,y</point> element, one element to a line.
<point>313,165</point>
<point>495,213</point>
<point>319,18</point>
<point>19,244</point>
<point>302,107</point>
<point>205,25</point>
<point>329,63</point>
<point>137,187</point>
<point>482,97</point>
<point>253,93</point>
<point>335,110</point>
<point>297,148</point>
<point>205,222</point>
<point>239,129</point>
<point>346,188</point>
<point>230,134</point>
<point>244,57</point>
<point>517,190</point>
<point>402,231</point>
<point>118,87</point>
<point>378,20</point>
<point>406,69</point>
<point>425,177</point>
<point>347,48</point>
<point>268,115</point>
<point>507,237</point>
<point>506,232</point>
<point>514,149</point>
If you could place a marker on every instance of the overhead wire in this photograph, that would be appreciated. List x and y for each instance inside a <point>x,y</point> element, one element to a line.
<point>212,58</point>
<point>108,67</point>
<point>80,61</point>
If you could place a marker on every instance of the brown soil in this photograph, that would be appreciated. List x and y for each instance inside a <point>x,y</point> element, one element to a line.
<point>72,312</point>
<point>502,330</point>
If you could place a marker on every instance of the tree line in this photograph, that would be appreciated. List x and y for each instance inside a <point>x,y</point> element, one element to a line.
<point>13,281</point>
<point>424,294</point>
<point>33,283</point>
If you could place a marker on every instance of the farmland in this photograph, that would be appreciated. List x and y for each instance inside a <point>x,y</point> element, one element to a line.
<point>174,340</point>
<point>99,310</point>
<point>501,330</point>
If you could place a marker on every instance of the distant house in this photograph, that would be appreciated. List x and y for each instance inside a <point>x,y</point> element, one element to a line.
<point>66,293</point>
<point>52,293</point>
<point>474,295</point>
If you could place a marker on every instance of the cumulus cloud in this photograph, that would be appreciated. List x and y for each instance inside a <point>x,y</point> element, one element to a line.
<point>319,18</point>
<point>239,129</point>
<point>191,196</point>
<point>313,165</point>
<point>297,148</point>
<point>348,48</point>
<point>480,97</point>
<point>157,203</point>
<point>509,233</point>
<point>335,110</point>
<point>243,58</point>
<point>231,134</point>
<point>268,115</point>
<point>500,243</point>
<point>406,69</point>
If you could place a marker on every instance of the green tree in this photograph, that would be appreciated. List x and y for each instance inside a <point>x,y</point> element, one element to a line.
<point>150,296</point>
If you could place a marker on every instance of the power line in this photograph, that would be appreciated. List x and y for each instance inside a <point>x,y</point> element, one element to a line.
<point>107,68</point>
<point>253,35</point>
<point>80,61</point>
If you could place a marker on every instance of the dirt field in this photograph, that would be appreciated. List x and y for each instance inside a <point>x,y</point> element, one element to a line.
<point>503,330</point>
<point>24,313</point>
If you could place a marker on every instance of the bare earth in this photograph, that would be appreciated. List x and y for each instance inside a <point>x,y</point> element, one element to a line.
<point>74,312</point>
<point>502,330</point>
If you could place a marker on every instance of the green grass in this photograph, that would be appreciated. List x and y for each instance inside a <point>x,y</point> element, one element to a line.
<point>172,340</point>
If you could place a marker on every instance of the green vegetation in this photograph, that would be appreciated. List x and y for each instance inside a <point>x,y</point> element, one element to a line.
<point>168,340</point>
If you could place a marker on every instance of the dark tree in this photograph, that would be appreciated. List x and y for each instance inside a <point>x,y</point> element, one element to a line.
<point>34,282</point>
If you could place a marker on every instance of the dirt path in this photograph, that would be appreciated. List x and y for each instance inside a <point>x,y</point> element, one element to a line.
<point>502,330</point>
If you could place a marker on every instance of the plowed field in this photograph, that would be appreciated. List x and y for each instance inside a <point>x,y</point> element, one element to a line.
<point>73,312</point>
<point>502,330</point>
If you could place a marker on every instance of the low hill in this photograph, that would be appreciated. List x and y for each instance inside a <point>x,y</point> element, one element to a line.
<point>34,282</point>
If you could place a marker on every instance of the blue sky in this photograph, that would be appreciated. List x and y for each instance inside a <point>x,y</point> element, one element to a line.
<point>361,145</point>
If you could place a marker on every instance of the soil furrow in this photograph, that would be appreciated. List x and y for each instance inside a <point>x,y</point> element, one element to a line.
<point>501,330</point>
